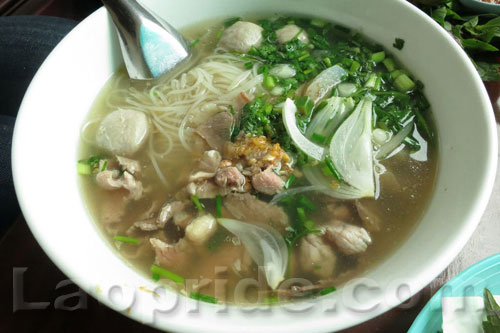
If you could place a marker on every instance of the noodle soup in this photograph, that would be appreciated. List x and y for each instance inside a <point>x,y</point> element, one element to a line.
<point>294,148</point>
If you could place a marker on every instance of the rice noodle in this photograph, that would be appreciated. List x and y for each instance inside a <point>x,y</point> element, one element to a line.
<point>176,107</point>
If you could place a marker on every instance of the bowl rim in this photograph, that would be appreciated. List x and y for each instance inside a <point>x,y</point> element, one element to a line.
<point>442,260</point>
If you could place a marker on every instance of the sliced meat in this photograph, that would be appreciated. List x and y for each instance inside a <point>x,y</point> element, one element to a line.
<point>201,229</point>
<point>217,130</point>
<point>111,180</point>
<point>289,32</point>
<point>317,256</point>
<point>112,209</point>
<point>247,207</point>
<point>173,256</point>
<point>267,182</point>
<point>207,166</point>
<point>241,36</point>
<point>145,225</point>
<point>168,210</point>
<point>123,132</point>
<point>368,213</point>
<point>206,189</point>
<point>127,164</point>
<point>231,178</point>
<point>350,239</point>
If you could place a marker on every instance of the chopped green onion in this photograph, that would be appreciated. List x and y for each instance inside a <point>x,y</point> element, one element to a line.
<point>326,291</point>
<point>156,277</point>
<point>219,34</point>
<point>166,274</point>
<point>83,168</point>
<point>399,43</point>
<point>126,239</point>
<point>318,23</point>
<point>309,224</point>
<point>304,201</point>
<point>389,64</point>
<point>332,168</point>
<point>271,300</point>
<point>194,42</point>
<point>318,138</point>
<point>304,56</point>
<point>197,203</point>
<point>218,205</point>
<point>289,181</point>
<point>269,82</point>
<point>203,298</point>
<point>327,62</point>
<point>304,105</point>
<point>355,66</point>
<point>317,267</point>
<point>302,214</point>
<point>395,74</point>
<point>403,83</point>
<point>372,80</point>
<point>378,57</point>
<point>326,171</point>
<point>104,165</point>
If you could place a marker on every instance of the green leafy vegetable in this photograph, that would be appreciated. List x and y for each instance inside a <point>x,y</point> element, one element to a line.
<point>492,322</point>
<point>327,291</point>
<point>399,43</point>
<point>197,203</point>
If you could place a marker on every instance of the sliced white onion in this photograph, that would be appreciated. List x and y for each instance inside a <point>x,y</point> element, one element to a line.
<point>324,82</point>
<point>283,71</point>
<point>380,136</point>
<point>346,89</point>
<point>265,245</point>
<point>395,142</point>
<point>307,146</point>
<point>351,149</point>
<point>342,191</point>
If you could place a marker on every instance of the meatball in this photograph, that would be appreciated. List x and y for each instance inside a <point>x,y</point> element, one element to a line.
<point>241,36</point>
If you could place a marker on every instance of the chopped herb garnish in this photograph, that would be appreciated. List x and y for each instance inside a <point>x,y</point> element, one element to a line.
<point>318,138</point>
<point>124,239</point>
<point>218,205</point>
<point>83,168</point>
<point>166,274</point>
<point>197,203</point>
<point>333,170</point>
<point>104,165</point>
<point>156,277</point>
<point>327,291</point>
<point>289,181</point>
<point>271,299</point>
<point>231,21</point>
<point>203,298</point>
<point>317,267</point>
<point>399,43</point>
<point>194,42</point>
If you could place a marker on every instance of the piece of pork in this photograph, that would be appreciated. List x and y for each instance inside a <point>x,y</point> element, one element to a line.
<point>217,130</point>
<point>112,180</point>
<point>127,164</point>
<point>367,210</point>
<point>267,182</point>
<point>112,208</point>
<point>241,36</point>
<point>350,239</point>
<point>123,132</point>
<point>247,207</point>
<point>206,189</point>
<point>317,256</point>
<point>168,210</point>
<point>207,166</point>
<point>201,229</point>
<point>171,255</point>
<point>289,32</point>
<point>230,178</point>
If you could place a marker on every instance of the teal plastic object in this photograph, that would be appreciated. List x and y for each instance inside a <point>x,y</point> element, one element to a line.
<point>481,7</point>
<point>471,282</point>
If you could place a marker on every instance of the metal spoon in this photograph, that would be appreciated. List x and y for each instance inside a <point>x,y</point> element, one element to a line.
<point>151,47</point>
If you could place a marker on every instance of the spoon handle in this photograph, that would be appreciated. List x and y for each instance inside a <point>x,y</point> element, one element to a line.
<point>150,46</point>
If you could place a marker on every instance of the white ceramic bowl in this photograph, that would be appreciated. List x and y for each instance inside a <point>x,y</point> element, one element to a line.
<point>57,101</point>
